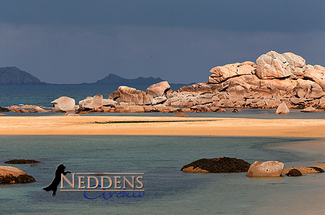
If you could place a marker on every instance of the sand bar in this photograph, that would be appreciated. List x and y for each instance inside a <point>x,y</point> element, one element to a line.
<point>84,125</point>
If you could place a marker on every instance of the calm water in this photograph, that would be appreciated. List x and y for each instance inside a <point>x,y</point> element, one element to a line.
<point>167,189</point>
<point>43,95</point>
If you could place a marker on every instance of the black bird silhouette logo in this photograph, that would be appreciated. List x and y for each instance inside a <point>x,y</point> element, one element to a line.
<point>60,169</point>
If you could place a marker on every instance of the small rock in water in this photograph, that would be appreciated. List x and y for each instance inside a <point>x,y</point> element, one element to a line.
<point>180,115</point>
<point>21,161</point>
<point>282,109</point>
<point>221,110</point>
<point>71,114</point>
<point>234,110</point>
<point>309,109</point>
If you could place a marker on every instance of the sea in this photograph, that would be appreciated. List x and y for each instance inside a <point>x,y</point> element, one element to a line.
<point>167,190</point>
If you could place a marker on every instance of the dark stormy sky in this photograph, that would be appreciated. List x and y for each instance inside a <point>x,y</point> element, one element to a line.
<point>177,40</point>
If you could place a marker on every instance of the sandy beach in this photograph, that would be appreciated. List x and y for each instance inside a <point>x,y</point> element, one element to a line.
<point>85,125</point>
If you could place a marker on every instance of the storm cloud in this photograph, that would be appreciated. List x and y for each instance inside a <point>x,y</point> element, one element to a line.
<point>179,41</point>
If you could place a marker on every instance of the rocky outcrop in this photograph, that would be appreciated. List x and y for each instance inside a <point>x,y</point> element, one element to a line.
<point>217,165</point>
<point>12,175</point>
<point>282,81</point>
<point>265,169</point>
<point>27,109</point>
<point>304,170</point>
<point>63,104</point>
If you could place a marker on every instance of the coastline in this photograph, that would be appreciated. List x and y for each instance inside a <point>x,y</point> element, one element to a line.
<point>85,125</point>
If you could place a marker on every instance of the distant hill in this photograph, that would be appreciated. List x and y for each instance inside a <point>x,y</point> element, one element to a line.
<point>117,80</point>
<point>15,76</point>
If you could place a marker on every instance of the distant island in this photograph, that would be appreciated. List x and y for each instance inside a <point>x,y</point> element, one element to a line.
<point>117,80</point>
<point>15,76</point>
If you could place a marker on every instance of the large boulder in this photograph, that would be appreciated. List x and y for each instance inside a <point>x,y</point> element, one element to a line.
<point>222,73</point>
<point>63,104</point>
<point>274,65</point>
<point>85,102</point>
<point>317,74</point>
<point>159,89</point>
<point>282,109</point>
<point>92,103</point>
<point>12,175</point>
<point>265,169</point>
<point>217,165</point>
<point>128,95</point>
<point>296,63</point>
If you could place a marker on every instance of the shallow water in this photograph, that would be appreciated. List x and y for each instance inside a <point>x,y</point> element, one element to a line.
<point>167,189</point>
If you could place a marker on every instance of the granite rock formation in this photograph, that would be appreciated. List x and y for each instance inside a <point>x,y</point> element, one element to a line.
<point>12,175</point>
<point>265,169</point>
<point>273,80</point>
<point>63,104</point>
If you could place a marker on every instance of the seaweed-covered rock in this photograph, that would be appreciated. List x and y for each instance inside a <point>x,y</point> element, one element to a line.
<point>22,161</point>
<point>294,173</point>
<point>217,165</point>
<point>2,109</point>
<point>12,175</point>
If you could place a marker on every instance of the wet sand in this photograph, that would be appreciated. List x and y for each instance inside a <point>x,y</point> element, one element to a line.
<point>85,125</point>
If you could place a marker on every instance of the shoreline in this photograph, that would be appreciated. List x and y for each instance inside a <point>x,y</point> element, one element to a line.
<point>85,125</point>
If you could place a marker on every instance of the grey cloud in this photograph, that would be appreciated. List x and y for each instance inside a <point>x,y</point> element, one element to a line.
<point>261,15</point>
<point>63,55</point>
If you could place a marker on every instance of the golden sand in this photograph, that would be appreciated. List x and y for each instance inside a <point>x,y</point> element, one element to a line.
<point>85,125</point>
